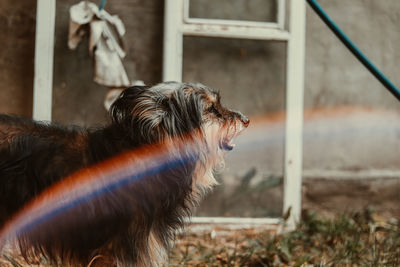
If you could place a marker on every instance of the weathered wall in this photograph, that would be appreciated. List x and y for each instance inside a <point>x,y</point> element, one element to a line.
<point>352,139</point>
<point>79,100</point>
<point>333,75</point>
<point>17,40</point>
<point>76,98</point>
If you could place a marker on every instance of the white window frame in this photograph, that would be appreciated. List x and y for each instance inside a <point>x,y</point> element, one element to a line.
<point>279,24</point>
<point>44,57</point>
<point>178,24</point>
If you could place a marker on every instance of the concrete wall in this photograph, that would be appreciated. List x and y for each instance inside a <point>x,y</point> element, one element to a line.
<point>17,40</point>
<point>333,75</point>
<point>355,139</point>
<point>77,99</point>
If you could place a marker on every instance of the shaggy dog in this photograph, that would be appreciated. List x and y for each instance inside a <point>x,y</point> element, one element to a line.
<point>136,225</point>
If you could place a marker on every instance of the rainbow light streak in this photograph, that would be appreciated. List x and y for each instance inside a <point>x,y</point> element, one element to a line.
<point>95,181</point>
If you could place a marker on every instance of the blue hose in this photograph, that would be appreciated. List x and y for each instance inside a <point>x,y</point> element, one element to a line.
<point>102,4</point>
<point>356,52</point>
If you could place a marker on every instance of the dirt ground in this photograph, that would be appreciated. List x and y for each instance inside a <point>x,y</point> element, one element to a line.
<point>332,197</point>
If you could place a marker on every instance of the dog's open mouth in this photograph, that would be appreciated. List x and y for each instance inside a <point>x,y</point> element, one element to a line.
<point>227,144</point>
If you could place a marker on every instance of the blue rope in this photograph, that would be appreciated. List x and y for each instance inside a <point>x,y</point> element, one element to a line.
<point>353,48</point>
<point>102,4</point>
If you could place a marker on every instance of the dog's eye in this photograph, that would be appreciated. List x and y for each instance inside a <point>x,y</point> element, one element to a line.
<point>212,109</point>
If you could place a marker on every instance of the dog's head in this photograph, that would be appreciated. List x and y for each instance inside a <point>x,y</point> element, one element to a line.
<point>177,110</point>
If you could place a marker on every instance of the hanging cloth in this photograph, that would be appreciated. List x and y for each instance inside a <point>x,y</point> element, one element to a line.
<point>105,42</point>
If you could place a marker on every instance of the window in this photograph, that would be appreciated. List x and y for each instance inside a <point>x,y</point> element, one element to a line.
<point>188,19</point>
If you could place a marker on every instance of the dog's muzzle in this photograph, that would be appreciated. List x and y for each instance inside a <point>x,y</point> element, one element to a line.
<point>227,143</point>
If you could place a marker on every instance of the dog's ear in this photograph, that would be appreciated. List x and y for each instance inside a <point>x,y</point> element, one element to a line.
<point>121,109</point>
<point>139,111</point>
<point>183,112</point>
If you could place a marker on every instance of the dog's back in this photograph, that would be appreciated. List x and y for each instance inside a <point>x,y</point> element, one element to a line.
<point>30,159</point>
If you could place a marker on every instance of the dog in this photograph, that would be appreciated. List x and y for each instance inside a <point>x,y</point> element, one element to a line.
<point>36,155</point>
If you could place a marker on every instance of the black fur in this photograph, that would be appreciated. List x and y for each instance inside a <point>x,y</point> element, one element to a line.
<point>36,155</point>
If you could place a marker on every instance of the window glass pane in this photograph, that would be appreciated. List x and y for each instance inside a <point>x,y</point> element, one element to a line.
<point>249,10</point>
<point>250,76</point>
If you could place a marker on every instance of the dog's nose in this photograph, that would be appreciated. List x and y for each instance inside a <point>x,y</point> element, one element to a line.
<point>245,120</point>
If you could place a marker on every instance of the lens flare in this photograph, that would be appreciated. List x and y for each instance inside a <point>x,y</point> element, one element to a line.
<point>100,180</point>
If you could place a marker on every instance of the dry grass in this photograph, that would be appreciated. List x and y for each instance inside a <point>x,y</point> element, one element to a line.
<point>360,239</point>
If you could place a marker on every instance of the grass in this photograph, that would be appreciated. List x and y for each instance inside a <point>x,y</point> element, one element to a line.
<point>358,239</point>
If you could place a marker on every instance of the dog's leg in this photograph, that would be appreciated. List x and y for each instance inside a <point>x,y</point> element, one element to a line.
<point>157,252</point>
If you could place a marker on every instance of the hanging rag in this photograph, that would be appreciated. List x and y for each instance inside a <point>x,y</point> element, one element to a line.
<point>105,42</point>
